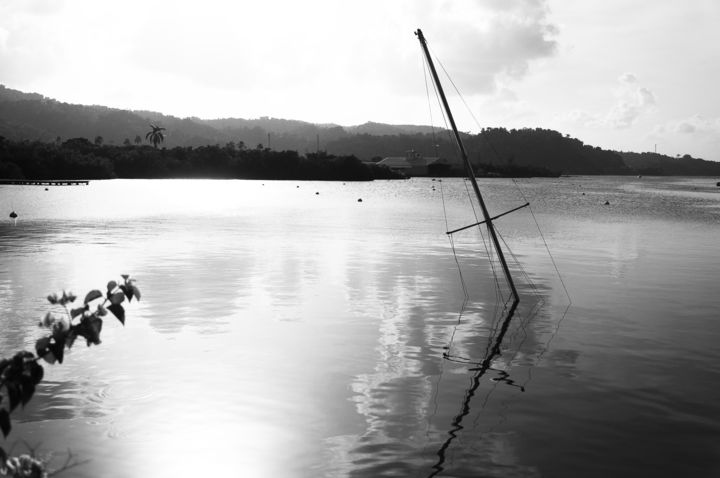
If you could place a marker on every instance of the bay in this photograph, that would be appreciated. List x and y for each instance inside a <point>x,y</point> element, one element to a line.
<point>289,329</point>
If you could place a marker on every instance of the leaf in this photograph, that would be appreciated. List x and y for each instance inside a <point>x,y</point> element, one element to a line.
<point>36,372</point>
<point>58,350</point>
<point>5,422</point>
<point>79,311</point>
<point>101,311</point>
<point>90,328</point>
<point>52,298</point>
<point>111,285</point>
<point>13,394</point>
<point>118,311</point>
<point>127,291</point>
<point>48,320</point>
<point>125,276</point>
<point>70,339</point>
<point>136,291</point>
<point>49,357</point>
<point>26,393</point>
<point>117,298</point>
<point>95,326</point>
<point>92,295</point>
<point>41,346</point>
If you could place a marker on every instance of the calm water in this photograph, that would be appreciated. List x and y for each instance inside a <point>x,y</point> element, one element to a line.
<point>284,333</point>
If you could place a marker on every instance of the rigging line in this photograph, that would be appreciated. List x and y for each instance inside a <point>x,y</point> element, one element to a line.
<point>497,326</point>
<point>488,248</point>
<point>499,298</point>
<point>467,107</point>
<point>462,309</point>
<point>462,98</point>
<point>452,246</point>
<point>547,248</point>
<point>462,278</point>
<point>518,264</point>
<point>442,110</point>
<point>499,295</point>
<point>427,94</point>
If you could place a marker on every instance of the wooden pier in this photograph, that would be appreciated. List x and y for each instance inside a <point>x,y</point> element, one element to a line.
<point>46,182</point>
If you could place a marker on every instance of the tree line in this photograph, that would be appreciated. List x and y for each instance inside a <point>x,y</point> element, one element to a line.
<point>79,158</point>
<point>533,148</point>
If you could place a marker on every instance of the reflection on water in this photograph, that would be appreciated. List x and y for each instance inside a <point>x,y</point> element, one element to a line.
<point>284,333</point>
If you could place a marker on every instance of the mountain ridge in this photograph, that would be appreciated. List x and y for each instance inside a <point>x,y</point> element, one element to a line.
<point>34,117</point>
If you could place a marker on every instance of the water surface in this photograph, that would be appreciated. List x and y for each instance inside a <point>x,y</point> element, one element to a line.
<point>287,329</point>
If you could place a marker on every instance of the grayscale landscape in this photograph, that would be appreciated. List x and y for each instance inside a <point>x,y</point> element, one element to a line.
<point>370,239</point>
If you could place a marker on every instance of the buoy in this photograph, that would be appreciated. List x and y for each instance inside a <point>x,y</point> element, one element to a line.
<point>46,189</point>
<point>607,203</point>
<point>360,200</point>
<point>13,215</point>
<point>316,193</point>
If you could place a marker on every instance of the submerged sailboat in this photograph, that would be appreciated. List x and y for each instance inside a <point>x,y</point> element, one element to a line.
<point>480,368</point>
<point>487,220</point>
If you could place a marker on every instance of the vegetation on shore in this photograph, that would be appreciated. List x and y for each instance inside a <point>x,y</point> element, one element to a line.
<point>38,119</point>
<point>78,158</point>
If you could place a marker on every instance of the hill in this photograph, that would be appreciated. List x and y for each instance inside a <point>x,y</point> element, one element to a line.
<point>31,116</point>
<point>658,164</point>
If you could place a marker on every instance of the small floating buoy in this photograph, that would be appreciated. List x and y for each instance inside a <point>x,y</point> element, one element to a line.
<point>297,186</point>
<point>583,194</point>
<point>46,189</point>
<point>717,184</point>
<point>13,215</point>
<point>316,193</point>
<point>607,203</point>
<point>360,200</point>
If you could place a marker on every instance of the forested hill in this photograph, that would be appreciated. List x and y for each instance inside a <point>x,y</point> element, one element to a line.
<point>658,164</point>
<point>33,117</point>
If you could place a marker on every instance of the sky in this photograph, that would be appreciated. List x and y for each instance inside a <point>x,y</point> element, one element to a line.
<point>627,75</point>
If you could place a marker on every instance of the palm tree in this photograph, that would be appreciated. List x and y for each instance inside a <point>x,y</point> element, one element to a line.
<point>155,136</point>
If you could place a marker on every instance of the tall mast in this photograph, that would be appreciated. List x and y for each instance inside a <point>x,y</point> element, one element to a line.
<point>468,166</point>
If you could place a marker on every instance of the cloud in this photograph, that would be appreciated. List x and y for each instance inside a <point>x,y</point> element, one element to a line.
<point>694,125</point>
<point>631,102</point>
<point>489,42</point>
<point>627,78</point>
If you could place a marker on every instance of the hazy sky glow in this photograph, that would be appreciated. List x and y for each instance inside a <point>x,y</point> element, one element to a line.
<point>620,74</point>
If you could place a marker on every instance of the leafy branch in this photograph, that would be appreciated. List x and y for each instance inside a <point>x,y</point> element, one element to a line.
<point>20,375</point>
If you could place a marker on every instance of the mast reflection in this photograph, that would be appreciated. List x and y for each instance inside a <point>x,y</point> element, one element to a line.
<point>480,371</point>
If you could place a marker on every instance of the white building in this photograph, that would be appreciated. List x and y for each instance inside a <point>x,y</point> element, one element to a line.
<point>412,164</point>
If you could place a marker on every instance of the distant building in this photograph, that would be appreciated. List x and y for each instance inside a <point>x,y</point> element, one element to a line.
<point>412,164</point>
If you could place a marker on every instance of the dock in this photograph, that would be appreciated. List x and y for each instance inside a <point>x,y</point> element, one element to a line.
<point>46,182</point>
